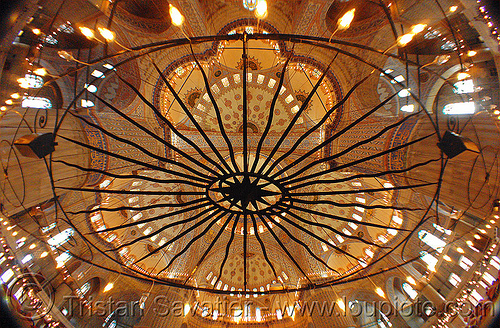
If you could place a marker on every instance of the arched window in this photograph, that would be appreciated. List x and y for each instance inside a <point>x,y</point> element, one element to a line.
<point>464,86</point>
<point>37,102</point>
<point>370,316</point>
<point>408,289</point>
<point>432,240</point>
<point>31,81</point>
<point>429,259</point>
<point>460,108</point>
<point>60,238</point>
<point>84,289</point>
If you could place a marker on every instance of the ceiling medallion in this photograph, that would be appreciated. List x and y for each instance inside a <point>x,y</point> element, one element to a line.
<point>245,192</point>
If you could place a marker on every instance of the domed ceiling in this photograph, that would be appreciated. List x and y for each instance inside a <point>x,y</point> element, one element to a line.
<point>245,162</point>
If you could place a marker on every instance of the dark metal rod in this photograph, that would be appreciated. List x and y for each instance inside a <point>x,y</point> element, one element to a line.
<point>217,111</point>
<point>340,218</point>
<point>290,256</point>
<point>228,246</point>
<point>271,115</point>
<point>263,246</point>
<point>138,208</point>
<point>245,109</point>
<point>147,152</point>
<point>133,192</point>
<point>336,135</point>
<point>156,218</point>
<point>298,226</point>
<point>322,225</point>
<point>362,160</point>
<point>357,191</point>
<point>300,242</point>
<point>133,176</point>
<point>154,136</point>
<point>295,118</point>
<point>192,241</point>
<point>361,176</point>
<point>168,123</point>
<point>180,235</point>
<point>197,126</point>
<point>209,248</point>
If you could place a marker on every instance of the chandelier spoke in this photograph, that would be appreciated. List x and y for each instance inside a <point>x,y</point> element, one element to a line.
<point>154,136</point>
<point>196,124</point>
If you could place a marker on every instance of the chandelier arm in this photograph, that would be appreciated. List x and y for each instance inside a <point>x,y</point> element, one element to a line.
<point>315,236</point>
<point>132,176</point>
<point>196,124</point>
<point>271,115</point>
<point>245,111</point>
<point>154,136</point>
<point>228,246</point>
<point>158,217</point>
<point>334,137</point>
<point>284,248</point>
<point>263,246</point>
<point>137,192</point>
<point>136,208</point>
<point>356,191</point>
<point>321,225</point>
<point>375,67</point>
<point>245,250</point>
<point>360,176</point>
<point>209,248</point>
<point>340,218</point>
<point>180,235</point>
<point>328,202</point>
<point>150,154</point>
<point>217,111</point>
<point>330,139</point>
<point>192,241</point>
<point>362,160</point>
<point>301,243</point>
<point>127,159</point>
<point>168,123</point>
<point>294,120</point>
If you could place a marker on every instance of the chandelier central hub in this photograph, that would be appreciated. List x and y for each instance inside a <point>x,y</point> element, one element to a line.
<point>245,192</point>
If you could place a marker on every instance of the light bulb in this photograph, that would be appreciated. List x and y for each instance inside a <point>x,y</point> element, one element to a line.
<point>380,292</point>
<point>261,9</point>
<point>106,34</point>
<point>411,280</point>
<point>175,16</point>
<point>404,39</point>
<point>9,102</point>
<point>440,60</point>
<point>418,28</point>
<point>345,21</point>
<point>462,76</point>
<point>40,71</point>
<point>15,95</point>
<point>89,34</point>
<point>108,287</point>
<point>453,9</point>
<point>65,55</point>
<point>471,53</point>
<point>36,31</point>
